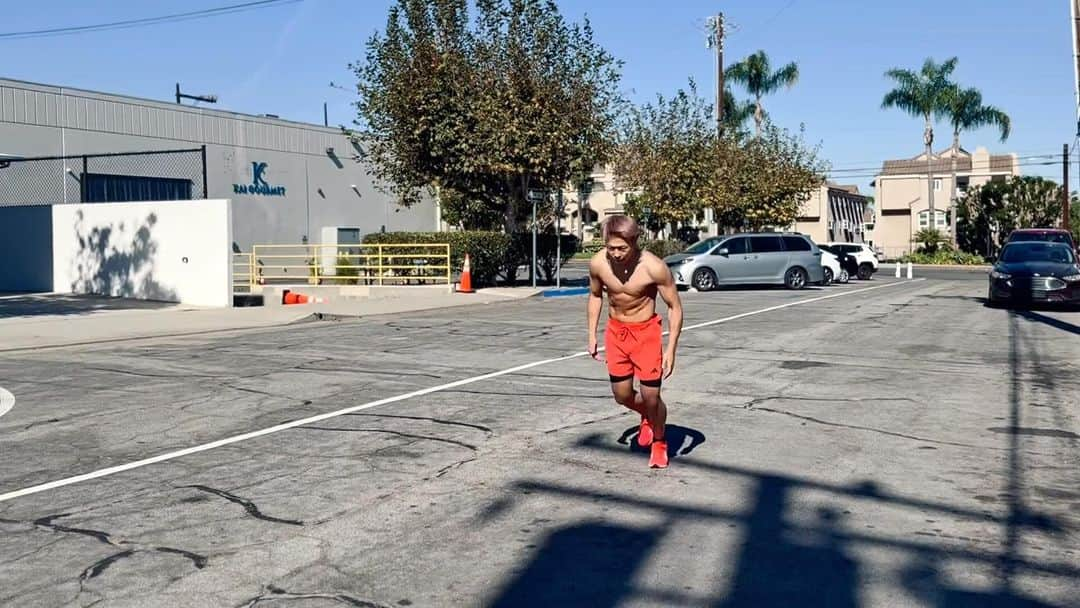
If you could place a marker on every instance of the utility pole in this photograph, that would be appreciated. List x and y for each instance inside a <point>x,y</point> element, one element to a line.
<point>206,98</point>
<point>716,41</point>
<point>1065,187</point>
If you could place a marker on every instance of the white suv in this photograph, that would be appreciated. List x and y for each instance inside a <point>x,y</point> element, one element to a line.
<point>863,254</point>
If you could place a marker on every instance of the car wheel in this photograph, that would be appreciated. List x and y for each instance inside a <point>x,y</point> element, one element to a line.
<point>704,279</point>
<point>828,276</point>
<point>865,272</point>
<point>844,276</point>
<point>795,278</point>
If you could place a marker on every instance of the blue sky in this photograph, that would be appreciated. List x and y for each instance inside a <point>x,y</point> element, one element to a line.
<point>281,60</point>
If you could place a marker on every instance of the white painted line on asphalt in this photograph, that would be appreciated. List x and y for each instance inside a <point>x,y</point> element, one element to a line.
<point>67,481</point>
<point>7,401</point>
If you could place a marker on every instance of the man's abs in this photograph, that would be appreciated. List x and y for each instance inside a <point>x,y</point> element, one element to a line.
<point>631,309</point>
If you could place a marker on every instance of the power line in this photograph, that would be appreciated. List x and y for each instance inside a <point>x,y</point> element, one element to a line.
<point>130,23</point>
<point>877,172</point>
<point>917,164</point>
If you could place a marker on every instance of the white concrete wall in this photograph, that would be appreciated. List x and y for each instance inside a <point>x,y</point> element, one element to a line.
<point>173,251</point>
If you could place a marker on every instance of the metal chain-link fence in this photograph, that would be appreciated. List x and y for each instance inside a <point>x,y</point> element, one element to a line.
<point>91,178</point>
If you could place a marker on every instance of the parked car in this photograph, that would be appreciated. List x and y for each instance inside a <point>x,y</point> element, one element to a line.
<point>863,254</point>
<point>1035,271</point>
<point>1052,235</point>
<point>831,266</point>
<point>785,258</point>
<point>849,266</point>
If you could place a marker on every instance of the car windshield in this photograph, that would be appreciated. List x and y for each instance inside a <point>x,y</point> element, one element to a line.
<point>1053,237</point>
<point>702,246</point>
<point>1018,253</point>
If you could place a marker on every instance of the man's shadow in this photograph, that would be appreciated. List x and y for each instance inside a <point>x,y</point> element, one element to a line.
<point>681,440</point>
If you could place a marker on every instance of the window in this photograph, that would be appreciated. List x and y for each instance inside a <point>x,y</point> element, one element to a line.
<point>765,244</point>
<point>104,188</point>
<point>702,246</point>
<point>736,245</point>
<point>937,184</point>
<point>796,243</point>
<point>924,219</point>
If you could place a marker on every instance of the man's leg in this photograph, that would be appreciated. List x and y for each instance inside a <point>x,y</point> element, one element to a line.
<point>625,395</point>
<point>656,410</point>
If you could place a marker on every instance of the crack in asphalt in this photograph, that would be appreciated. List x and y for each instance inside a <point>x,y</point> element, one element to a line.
<point>864,428</point>
<point>398,433</point>
<point>103,537</point>
<point>276,594</point>
<point>97,568</point>
<point>249,506</point>
<point>448,468</point>
<point>427,418</point>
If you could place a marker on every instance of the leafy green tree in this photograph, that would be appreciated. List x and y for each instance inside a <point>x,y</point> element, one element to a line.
<point>924,94</point>
<point>673,163</point>
<point>481,110</point>
<point>989,213</point>
<point>756,74</point>
<point>666,158</point>
<point>762,181</point>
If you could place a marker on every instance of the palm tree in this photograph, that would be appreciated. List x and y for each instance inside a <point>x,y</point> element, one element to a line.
<point>966,112</point>
<point>755,73</point>
<point>736,112</point>
<point>923,93</point>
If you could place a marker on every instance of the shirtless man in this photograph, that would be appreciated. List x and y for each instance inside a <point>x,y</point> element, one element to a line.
<point>633,338</point>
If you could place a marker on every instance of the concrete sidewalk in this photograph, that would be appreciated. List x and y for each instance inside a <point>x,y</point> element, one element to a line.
<point>75,321</point>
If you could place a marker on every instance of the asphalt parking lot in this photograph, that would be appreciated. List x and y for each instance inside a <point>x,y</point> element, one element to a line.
<point>881,443</point>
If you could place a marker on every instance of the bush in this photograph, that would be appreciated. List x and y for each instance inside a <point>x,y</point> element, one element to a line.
<point>944,256</point>
<point>664,248</point>
<point>491,254</point>
<point>487,250</point>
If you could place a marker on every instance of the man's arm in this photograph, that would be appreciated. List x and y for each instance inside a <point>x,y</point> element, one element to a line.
<point>665,284</point>
<point>596,302</point>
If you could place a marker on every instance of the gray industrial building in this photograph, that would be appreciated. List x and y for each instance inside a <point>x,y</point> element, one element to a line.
<point>289,182</point>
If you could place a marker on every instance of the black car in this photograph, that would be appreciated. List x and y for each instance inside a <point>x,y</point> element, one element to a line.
<point>1035,272</point>
<point>847,261</point>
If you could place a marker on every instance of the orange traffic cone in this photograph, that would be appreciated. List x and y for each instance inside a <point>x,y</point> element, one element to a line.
<point>465,286</point>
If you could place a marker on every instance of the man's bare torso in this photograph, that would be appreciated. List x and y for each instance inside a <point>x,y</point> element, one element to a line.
<point>631,290</point>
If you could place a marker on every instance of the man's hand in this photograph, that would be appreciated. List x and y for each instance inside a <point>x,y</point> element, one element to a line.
<point>668,363</point>
<point>593,349</point>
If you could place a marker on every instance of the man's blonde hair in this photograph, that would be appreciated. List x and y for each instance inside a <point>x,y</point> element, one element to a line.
<point>622,226</point>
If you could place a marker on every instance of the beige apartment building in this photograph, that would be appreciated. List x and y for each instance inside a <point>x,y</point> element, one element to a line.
<point>831,213</point>
<point>902,205</point>
<point>835,213</point>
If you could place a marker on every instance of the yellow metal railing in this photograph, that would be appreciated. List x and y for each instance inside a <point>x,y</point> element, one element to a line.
<point>342,264</point>
<point>243,272</point>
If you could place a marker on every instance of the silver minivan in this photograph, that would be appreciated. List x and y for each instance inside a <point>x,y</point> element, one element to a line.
<point>778,258</point>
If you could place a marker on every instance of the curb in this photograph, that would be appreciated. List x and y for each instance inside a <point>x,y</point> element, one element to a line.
<point>565,292</point>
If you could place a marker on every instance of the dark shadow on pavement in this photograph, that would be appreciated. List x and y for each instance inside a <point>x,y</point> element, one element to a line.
<point>588,564</point>
<point>34,305</point>
<point>1065,326</point>
<point>681,440</point>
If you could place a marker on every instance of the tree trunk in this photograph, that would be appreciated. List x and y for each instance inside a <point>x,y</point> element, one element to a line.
<point>759,116</point>
<point>952,197</point>
<point>928,140</point>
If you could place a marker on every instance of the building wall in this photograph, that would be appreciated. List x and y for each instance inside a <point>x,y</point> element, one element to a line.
<point>37,120</point>
<point>901,198</point>
<point>173,251</point>
<point>26,249</point>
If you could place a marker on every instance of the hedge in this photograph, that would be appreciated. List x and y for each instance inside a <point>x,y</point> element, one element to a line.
<point>492,255</point>
<point>944,257</point>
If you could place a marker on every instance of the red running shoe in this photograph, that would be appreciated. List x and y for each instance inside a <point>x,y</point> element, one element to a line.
<point>645,434</point>
<point>659,458</point>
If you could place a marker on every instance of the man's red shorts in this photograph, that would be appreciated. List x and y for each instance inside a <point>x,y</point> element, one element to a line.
<point>635,349</point>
